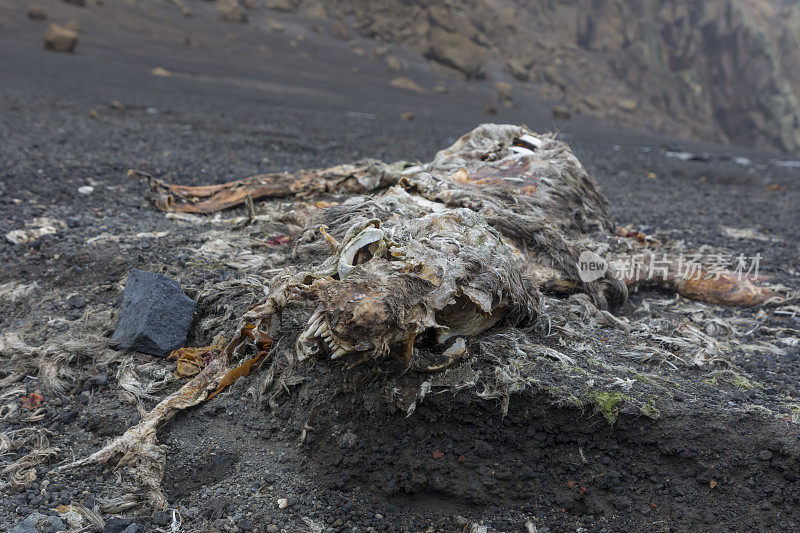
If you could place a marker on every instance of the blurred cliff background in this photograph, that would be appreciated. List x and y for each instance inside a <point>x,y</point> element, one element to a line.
<point>718,70</point>
<point>726,69</point>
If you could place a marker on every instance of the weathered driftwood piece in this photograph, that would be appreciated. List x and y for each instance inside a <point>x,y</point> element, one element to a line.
<point>447,251</point>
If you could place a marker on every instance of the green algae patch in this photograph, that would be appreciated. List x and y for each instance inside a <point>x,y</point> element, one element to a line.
<point>607,403</point>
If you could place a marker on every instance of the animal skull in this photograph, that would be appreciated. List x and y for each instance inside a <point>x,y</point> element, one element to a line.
<point>446,272</point>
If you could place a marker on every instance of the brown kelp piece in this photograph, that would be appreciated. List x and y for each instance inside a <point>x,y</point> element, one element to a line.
<point>726,288</point>
<point>190,360</point>
<point>350,178</point>
<point>692,280</point>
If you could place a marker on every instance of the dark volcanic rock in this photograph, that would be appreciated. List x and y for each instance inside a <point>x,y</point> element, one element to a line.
<point>39,523</point>
<point>118,524</point>
<point>155,314</point>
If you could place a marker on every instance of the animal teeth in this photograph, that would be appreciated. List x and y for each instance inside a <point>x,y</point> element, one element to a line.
<point>320,329</point>
<point>314,325</point>
<point>459,347</point>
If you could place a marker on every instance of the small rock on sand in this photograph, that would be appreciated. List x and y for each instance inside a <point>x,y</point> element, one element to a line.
<point>274,25</point>
<point>518,70</point>
<point>561,112</point>
<point>456,51</point>
<point>316,10</point>
<point>155,314</point>
<point>393,63</point>
<point>60,39</point>
<point>407,83</point>
<point>35,12</point>
<point>231,11</point>
<point>39,523</point>
<point>505,92</point>
<point>339,30</point>
<point>161,72</point>
<point>628,104</point>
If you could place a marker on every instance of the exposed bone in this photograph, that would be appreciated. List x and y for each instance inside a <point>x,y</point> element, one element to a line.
<point>535,142</point>
<point>362,242</point>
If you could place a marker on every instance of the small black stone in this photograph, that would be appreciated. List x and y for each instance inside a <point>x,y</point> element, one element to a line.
<point>99,381</point>
<point>39,523</point>
<point>77,302</point>
<point>161,518</point>
<point>117,524</point>
<point>155,315</point>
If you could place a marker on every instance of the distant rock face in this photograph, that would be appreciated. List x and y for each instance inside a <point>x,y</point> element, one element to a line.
<point>724,69</point>
<point>60,39</point>
<point>733,62</point>
<point>155,315</point>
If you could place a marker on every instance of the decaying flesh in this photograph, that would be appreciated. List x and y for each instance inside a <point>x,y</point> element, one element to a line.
<point>429,254</point>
